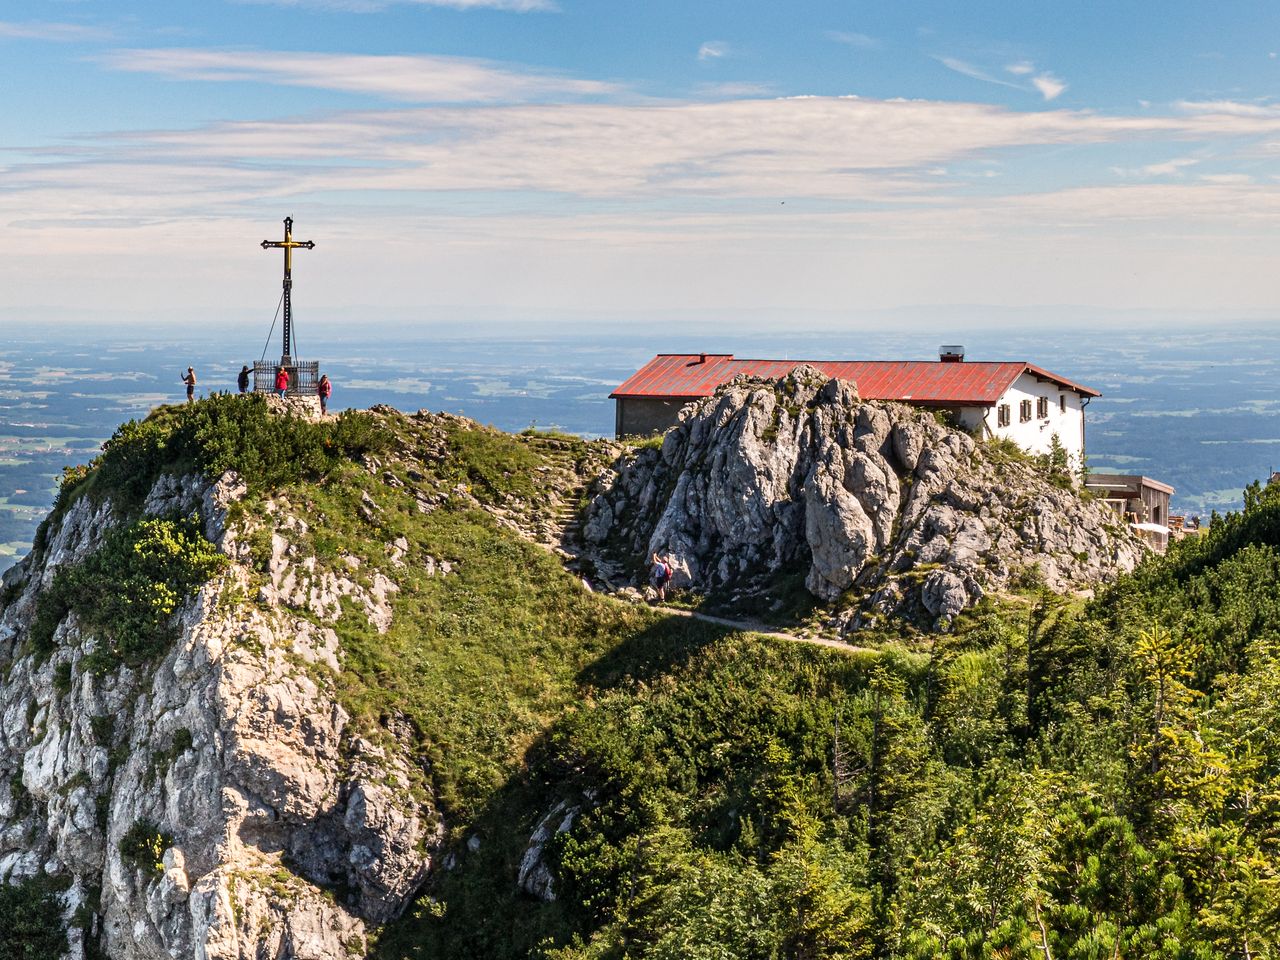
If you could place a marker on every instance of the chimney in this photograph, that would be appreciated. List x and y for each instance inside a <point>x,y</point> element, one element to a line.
<point>951,353</point>
<point>702,358</point>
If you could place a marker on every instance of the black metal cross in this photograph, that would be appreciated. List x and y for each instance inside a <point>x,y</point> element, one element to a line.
<point>288,244</point>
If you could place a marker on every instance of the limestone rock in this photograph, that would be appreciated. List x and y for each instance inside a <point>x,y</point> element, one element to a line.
<point>226,745</point>
<point>878,501</point>
<point>535,876</point>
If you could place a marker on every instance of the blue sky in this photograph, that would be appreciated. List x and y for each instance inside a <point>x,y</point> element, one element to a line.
<point>544,159</point>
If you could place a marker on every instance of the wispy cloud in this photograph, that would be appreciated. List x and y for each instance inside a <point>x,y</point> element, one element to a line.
<point>964,68</point>
<point>713,50</point>
<point>1165,168</point>
<point>54,32</point>
<point>853,39</point>
<point>1044,82</point>
<point>1048,85</point>
<point>736,90</point>
<point>420,79</point>
<point>1229,108</point>
<point>375,6</point>
<point>845,149</point>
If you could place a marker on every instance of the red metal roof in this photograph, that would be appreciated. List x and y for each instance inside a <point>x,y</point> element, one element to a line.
<point>688,375</point>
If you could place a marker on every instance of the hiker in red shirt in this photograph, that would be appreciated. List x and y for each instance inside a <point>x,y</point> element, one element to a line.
<point>660,576</point>
<point>324,388</point>
<point>282,381</point>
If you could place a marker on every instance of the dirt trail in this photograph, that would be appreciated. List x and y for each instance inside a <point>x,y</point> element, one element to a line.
<point>748,626</point>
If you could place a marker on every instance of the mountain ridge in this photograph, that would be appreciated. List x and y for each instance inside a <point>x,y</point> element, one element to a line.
<point>366,705</point>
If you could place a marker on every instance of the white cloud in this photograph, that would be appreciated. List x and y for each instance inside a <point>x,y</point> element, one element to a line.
<point>713,50</point>
<point>56,32</point>
<point>967,69</point>
<point>1229,108</point>
<point>846,149</point>
<point>852,39</point>
<point>421,79</point>
<point>1165,168</point>
<point>1048,85</point>
<point>1226,178</point>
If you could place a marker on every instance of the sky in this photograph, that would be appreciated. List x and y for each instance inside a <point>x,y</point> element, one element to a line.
<point>732,162</point>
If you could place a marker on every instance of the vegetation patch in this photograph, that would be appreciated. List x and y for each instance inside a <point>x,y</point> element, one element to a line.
<point>494,464</point>
<point>143,846</point>
<point>1055,778</point>
<point>31,924</point>
<point>216,434</point>
<point>126,591</point>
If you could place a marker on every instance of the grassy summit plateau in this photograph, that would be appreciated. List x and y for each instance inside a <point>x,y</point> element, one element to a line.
<point>1053,778</point>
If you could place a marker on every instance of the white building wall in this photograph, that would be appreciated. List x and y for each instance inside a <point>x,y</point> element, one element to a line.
<point>1035,435</point>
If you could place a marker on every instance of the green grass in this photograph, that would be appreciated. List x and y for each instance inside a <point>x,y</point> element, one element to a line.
<point>479,661</point>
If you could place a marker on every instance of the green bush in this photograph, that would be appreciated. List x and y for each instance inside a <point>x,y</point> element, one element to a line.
<point>31,926</point>
<point>144,845</point>
<point>126,591</point>
<point>218,434</point>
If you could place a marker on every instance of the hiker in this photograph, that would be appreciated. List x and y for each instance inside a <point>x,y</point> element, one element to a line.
<point>282,382</point>
<point>660,576</point>
<point>324,388</point>
<point>242,381</point>
<point>190,381</point>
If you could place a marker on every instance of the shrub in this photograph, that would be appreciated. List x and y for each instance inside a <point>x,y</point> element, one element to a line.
<point>31,925</point>
<point>218,434</point>
<point>62,678</point>
<point>127,590</point>
<point>144,845</point>
<point>1056,465</point>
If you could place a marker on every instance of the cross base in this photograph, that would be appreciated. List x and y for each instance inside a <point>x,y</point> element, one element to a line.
<point>304,375</point>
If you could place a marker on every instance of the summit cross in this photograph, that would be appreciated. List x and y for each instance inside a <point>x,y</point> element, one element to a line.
<point>288,244</point>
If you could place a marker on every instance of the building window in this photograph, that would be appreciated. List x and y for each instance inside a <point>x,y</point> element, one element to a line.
<point>1002,415</point>
<point>1042,408</point>
<point>1024,411</point>
<point>1062,402</point>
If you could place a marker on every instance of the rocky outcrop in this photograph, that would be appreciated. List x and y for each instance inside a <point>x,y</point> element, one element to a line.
<point>880,505</point>
<point>282,831</point>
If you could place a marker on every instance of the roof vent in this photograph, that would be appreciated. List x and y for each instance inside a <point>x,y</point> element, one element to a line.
<point>951,353</point>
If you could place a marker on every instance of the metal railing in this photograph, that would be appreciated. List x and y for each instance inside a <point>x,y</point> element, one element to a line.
<point>303,377</point>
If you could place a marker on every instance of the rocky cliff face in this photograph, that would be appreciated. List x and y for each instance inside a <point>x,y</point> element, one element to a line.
<point>270,827</point>
<point>880,505</point>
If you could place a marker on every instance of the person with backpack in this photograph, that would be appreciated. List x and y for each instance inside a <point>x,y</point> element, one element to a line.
<point>660,576</point>
<point>190,380</point>
<point>325,389</point>
<point>242,381</point>
<point>282,382</point>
